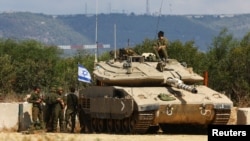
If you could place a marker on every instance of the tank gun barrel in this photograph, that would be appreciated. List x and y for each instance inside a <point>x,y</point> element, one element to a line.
<point>175,82</point>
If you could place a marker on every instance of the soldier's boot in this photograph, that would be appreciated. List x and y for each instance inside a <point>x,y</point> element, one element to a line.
<point>54,128</point>
<point>62,127</point>
<point>49,128</point>
<point>72,128</point>
<point>32,126</point>
<point>42,124</point>
<point>38,125</point>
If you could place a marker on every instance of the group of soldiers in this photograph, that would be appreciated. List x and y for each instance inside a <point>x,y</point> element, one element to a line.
<point>58,108</point>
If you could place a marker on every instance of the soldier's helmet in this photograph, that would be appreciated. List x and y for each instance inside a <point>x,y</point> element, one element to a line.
<point>35,87</point>
<point>53,89</point>
<point>59,89</point>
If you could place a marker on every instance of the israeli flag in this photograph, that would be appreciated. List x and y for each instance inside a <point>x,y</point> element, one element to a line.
<point>83,74</point>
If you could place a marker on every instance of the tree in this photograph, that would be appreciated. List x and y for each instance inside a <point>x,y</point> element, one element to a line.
<point>32,63</point>
<point>217,60</point>
<point>7,74</point>
<point>239,81</point>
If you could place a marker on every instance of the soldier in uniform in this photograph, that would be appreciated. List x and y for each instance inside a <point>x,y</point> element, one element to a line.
<point>72,107</point>
<point>50,100</point>
<point>37,111</point>
<point>58,111</point>
<point>160,47</point>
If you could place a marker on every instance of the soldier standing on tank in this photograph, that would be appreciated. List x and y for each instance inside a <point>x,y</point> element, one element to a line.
<point>37,111</point>
<point>58,111</point>
<point>72,107</point>
<point>160,46</point>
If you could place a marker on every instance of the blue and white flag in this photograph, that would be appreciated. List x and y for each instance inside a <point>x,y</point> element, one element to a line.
<point>83,74</point>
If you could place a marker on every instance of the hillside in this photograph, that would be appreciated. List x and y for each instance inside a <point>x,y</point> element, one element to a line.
<point>130,29</point>
<point>44,28</point>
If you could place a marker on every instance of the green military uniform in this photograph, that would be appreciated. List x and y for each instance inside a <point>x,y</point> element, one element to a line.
<point>50,100</point>
<point>37,111</point>
<point>58,113</point>
<point>161,41</point>
<point>71,111</point>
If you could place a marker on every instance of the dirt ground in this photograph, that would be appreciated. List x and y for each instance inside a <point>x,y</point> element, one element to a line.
<point>98,137</point>
<point>185,134</point>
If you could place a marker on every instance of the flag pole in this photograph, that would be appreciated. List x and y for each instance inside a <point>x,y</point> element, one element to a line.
<point>78,82</point>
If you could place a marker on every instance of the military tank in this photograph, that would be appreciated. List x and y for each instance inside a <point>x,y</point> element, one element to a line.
<point>134,93</point>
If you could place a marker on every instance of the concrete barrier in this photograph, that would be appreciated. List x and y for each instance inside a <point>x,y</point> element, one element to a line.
<point>15,116</point>
<point>243,116</point>
<point>233,116</point>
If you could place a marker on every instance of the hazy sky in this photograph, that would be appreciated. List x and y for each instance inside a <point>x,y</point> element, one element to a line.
<point>179,7</point>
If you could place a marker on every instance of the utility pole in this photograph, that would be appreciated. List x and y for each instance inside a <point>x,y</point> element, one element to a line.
<point>96,41</point>
<point>147,8</point>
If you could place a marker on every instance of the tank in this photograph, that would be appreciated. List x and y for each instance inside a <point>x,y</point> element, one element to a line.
<point>134,93</point>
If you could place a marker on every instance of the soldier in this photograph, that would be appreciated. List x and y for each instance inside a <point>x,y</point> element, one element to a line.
<point>37,111</point>
<point>50,100</point>
<point>160,47</point>
<point>72,107</point>
<point>58,111</point>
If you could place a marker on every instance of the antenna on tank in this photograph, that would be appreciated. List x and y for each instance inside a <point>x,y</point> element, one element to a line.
<point>115,41</point>
<point>158,21</point>
<point>96,41</point>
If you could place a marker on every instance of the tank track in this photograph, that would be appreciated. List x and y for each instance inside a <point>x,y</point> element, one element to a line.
<point>137,123</point>
<point>222,116</point>
<point>143,122</point>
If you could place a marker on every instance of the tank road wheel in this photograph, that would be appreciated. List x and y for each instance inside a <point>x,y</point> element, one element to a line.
<point>125,125</point>
<point>118,126</point>
<point>132,124</point>
<point>94,124</point>
<point>109,125</point>
<point>88,122</point>
<point>100,125</point>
